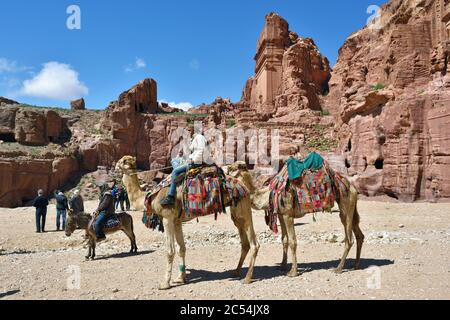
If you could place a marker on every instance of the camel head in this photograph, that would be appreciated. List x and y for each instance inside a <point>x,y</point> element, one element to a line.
<point>127,165</point>
<point>239,171</point>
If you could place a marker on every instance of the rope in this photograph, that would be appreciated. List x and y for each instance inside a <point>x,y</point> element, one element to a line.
<point>154,170</point>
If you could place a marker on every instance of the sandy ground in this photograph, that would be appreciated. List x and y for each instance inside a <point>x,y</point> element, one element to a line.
<point>406,256</point>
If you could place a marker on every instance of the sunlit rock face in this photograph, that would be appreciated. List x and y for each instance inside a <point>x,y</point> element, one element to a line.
<point>390,92</point>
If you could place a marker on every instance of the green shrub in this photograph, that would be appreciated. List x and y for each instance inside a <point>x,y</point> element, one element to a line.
<point>325,112</point>
<point>378,86</point>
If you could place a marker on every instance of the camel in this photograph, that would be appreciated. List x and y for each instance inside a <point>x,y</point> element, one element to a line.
<point>241,215</point>
<point>84,221</point>
<point>348,214</point>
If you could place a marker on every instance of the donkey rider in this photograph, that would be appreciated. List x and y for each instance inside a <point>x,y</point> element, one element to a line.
<point>104,211</point>
<point>197,148</point>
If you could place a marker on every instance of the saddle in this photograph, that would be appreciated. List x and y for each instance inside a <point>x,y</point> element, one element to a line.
<point>204,189</point>
<point>112,222</point>
<point>315,190</point>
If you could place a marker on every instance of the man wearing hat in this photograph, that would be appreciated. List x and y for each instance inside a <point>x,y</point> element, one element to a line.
<point>77,203</point>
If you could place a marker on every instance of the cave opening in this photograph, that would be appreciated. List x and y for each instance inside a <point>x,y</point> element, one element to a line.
<point>379,164</point>
<point>347,164</point>
<point>349,145</point>
<point>7,137</point>
<point>444,70</point>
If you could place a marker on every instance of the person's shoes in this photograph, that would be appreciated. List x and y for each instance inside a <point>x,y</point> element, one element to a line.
<point>57,229</point>
<point>168,201</point>
<point>38,232</point>
<point>101,239</point>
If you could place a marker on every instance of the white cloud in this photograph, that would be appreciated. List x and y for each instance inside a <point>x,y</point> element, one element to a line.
<point>185,106</point>
<point>10,66</point>
<point>138,64</point>
<point>194,64</point>
<point>55,81</point>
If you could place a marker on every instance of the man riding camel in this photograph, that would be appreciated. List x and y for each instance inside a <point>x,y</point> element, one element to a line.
<point>104,211</point>
<point>197,148</point>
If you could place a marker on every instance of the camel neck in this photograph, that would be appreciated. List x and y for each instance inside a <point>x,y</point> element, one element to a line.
<point>131,182</point>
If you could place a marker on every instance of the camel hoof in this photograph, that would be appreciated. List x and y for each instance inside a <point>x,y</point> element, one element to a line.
<point>247,281</point>
<point>236,274</point>
<point>164,286</point>
<point>293,274</point>
<point>338,271</point>
<point>180,280</point>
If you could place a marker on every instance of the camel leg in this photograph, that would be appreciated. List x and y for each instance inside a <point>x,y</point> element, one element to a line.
<point>346,216</point>
<point>170,245</point>
<point>292,239</point>
<point>181,252</point>
<point>359,239</point>
<point>245,248</point>
<point>254,248</point>
<point>284,239</point>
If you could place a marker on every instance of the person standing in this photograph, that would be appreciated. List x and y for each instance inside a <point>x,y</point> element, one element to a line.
<point>127,199</point>
<point>40,203</point>
<point>121,197</point>
<point>77,203</point>
<point>61,210</point>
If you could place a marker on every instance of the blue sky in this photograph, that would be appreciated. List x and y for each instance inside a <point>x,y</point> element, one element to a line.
<point>196,50</point>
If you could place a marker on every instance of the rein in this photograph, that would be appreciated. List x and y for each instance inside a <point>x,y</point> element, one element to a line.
<point>135,172</point>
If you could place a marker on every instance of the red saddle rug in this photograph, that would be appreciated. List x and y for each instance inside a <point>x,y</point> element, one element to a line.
<point>314,191</point>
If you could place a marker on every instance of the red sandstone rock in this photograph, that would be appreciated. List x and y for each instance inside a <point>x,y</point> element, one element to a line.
<point>394,138</point>
<point>78,104</point>
<point>30,127</point>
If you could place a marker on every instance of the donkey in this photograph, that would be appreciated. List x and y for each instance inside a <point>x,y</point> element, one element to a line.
<point>85,221</point>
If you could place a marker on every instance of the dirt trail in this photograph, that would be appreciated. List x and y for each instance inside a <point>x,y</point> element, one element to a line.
<point>406,249</point>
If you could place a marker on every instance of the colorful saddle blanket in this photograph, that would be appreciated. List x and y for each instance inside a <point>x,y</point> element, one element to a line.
<point>314,191</point>
<point>205,196</point>
<point>205,190</point>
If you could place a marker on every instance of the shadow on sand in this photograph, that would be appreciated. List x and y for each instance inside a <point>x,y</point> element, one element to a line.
<point>124,255</point>
<point>8,293</point>
<point>269,272</point>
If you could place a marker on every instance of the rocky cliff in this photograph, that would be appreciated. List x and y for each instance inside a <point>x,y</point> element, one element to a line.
<point>390,94</point>
<point>381,116</point>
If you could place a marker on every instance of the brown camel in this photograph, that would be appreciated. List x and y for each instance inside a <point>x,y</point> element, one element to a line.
<point>84,221</point>
<point>348,213</point>
<point>241,215</point>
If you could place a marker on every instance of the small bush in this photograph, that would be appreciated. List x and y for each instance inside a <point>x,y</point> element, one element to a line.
<point>378,87</point>
<point>325,113</point>
<point>231,123</point>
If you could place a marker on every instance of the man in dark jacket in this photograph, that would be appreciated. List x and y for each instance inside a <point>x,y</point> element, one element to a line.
<point>40,203</point>
<point>121,195</point>
<point>61,210</point>
<point>104,211</point>
<point>77,203</point>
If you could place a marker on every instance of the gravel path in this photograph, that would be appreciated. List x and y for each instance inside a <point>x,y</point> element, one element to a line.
<point>405,257</point>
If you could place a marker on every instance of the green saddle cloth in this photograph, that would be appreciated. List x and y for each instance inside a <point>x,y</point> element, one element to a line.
<point>296,167</point>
